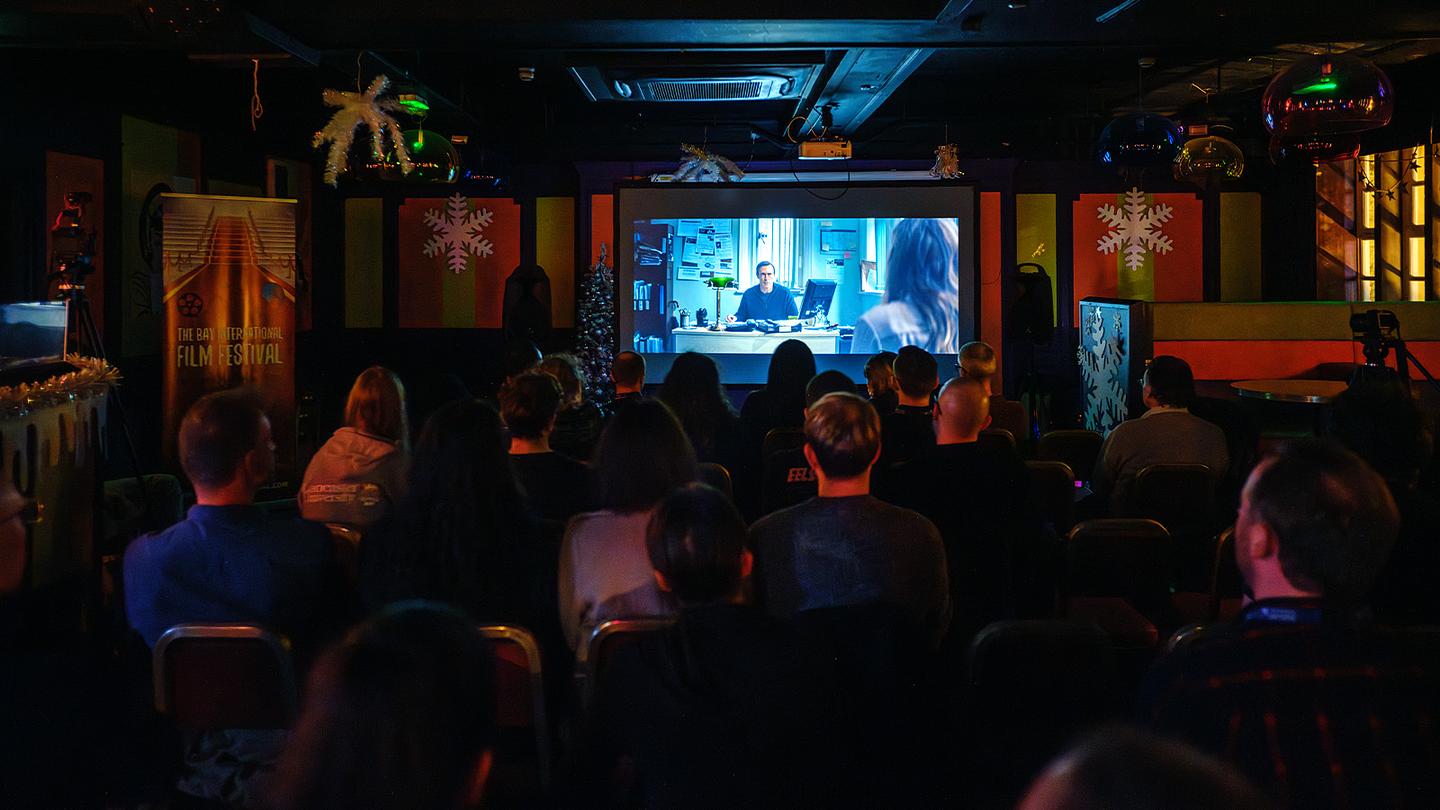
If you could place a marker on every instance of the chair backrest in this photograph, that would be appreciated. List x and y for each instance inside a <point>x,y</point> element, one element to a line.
<point>781,439</point>
<point>718,477</point>
<point>1052,492</point>
<point>281,509</point>
<point>1078,448</point>
<point>1225,579</point>
<point>346,542</point>
<point>998,436</point>
<point>1124,557</point>
<point>520,688</point>
<point>1176,495</point>
<point>224,676</point>
<point>606,639</point>
<point>1185,636</point>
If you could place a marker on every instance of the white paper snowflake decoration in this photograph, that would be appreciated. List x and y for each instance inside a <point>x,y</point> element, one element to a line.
<point>458,232</point>
<point>357,109</point>
<point>1135,227</point>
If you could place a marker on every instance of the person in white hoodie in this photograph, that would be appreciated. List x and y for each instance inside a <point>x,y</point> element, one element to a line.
<point>357,477</point>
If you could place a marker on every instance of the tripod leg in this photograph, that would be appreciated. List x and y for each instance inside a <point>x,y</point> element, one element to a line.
<point>86,321</point>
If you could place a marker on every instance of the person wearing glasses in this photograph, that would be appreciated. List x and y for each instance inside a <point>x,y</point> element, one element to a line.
<point>766,300</point>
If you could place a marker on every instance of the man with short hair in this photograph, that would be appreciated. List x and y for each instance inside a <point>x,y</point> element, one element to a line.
<point>228,561</point>
<point>975,493</point>
<point>978,362</point>
<point>727,708</point>
<point>555,485</point>
<point>766,300</point>
<point>910,431</point>
<point>627,371</point>
<point>845,547</point>
<point>1300,691</point>
<point>1167,433</point>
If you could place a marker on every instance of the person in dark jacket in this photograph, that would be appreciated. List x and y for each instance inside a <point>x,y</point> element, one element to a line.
<point>578,424</point>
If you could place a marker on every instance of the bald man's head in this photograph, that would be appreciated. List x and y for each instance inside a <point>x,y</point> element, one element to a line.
<point>962,411</point>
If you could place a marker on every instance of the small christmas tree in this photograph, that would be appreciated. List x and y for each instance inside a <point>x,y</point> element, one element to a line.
<point>595,329</point>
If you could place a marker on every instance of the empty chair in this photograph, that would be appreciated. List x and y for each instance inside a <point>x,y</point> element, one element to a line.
<point>716,476</point>
<point>1052,492</point>
<point>1032,685</point>
<point>1117,574</point>
<point>1078,448</point>
<point>346,540</point>
<point>1227,589</point>
<point>781,439</point>
<point>1182,498</point>
<point>997,436</point>
<point>520,697</point>
<point>224,676</point>
<point>1184,637</point>
<point>604,640</point>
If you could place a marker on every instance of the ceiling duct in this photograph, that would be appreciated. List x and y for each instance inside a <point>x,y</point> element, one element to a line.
<point>695,83</point>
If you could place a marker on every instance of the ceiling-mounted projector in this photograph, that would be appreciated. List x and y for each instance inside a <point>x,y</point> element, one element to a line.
<point>838,149</point>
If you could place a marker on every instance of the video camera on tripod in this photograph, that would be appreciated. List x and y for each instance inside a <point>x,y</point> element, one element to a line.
<point>73,257</point>
<point>1378,333</point>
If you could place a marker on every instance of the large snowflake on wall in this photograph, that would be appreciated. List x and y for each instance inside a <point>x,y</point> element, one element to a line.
<point>1135,226</point>
<point>459,232</point>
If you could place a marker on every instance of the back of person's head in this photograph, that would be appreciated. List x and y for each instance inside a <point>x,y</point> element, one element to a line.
<point>827,382</point>
<point>1332,517</point>
<point>963,409</point>
<point>977,360</point>
<point>1171,382</point>
<point>696,541</point>
<point>400,714</point>
<point>791,366</point>
<point>565,367</point>
<point>1380,422</point>
<point>217,435</point>
<point>693,392</point>
<point>528,404</point>
<point>628,370</point>
<point>916,371</point>
<point>642,455</point>
<point>517,356</point>
<point>462,507</point>
<point>880,373</point>
<point>1122,769</point>
<point>376,406</point>
<point>843,430</point>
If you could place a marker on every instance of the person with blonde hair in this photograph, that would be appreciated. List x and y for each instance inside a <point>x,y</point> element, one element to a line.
<point>979,362</point>
<point>359,474</point>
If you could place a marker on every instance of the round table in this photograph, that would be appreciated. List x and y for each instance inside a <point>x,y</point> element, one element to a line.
<point>1309,392</point>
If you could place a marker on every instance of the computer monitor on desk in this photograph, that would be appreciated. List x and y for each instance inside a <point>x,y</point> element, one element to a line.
<point>818,295</point>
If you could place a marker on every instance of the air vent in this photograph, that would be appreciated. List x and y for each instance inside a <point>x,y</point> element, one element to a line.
<point>695,83</point>
<point>731,88</point>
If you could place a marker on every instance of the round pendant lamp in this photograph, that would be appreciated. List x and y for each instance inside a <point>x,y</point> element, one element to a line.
<point>1138,140</point>
<point>1329,93</point>
<point>1209,159</point>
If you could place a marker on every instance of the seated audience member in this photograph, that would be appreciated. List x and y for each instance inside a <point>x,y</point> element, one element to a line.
<point>880,383</point>
<point>781,403</point>
<point>554,484</point>
<point>788,479</point>
<point>604,570</point>
<point>579,421</point>
<point>358,476</point>
<point>627,372</point>
<point>846,547</point>
<point>978,363</point>
<point>1121,769</point>
<point>462,534</point>
<point>227,561</point>
<point>1165,434</point>
<point>727,708</point>
<point>693,393</point>
<point>1300,693</point>
<point>910,431</point>
<point>401,714</point>
<point>1380,422</point>
<point>975,493</point>
<point>517,356</point>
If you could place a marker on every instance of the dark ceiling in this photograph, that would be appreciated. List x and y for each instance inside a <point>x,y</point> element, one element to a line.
<point>1035,81</point>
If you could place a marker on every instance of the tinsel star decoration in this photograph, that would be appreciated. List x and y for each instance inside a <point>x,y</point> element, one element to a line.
<point>947,162</point>
<point>357,109</point>
<point>700,165</point>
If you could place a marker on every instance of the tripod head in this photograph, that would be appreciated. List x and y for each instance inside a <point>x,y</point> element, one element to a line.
<point>1378,331</point>
<point>74,253</point>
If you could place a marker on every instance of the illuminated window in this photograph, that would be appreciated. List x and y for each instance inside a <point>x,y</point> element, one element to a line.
<point>1376,216</point>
